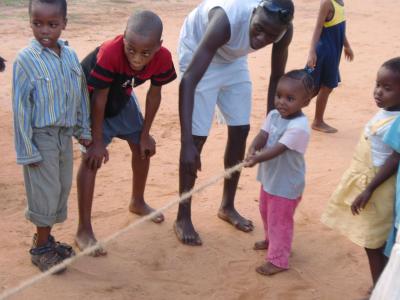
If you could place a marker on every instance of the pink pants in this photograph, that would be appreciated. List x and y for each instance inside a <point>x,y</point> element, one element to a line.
<point>277,215</point>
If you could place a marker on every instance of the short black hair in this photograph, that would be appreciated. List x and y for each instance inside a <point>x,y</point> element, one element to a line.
<point>61,3</point>
<point>305,77</point>
<point>145,22</point>
<point>393,65</point>
<point>283,10</point>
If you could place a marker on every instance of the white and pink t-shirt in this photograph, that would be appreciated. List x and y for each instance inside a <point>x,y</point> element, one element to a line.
<point>284,175</point>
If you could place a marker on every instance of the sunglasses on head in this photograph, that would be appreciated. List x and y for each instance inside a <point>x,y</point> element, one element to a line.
<point>284,14</point>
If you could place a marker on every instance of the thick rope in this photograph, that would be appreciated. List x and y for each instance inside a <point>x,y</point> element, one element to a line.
<point>100,244</point>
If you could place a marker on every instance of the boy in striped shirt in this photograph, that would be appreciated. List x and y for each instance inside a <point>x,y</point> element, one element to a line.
<point>50,105</point>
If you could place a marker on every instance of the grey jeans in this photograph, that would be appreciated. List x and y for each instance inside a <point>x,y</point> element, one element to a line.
<point>48,184</point>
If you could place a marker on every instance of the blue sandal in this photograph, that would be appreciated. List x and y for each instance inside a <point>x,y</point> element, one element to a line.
<point>46,257</point>
<point>63,249</point>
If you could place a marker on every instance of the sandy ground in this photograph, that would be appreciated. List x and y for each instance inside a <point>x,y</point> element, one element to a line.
<point>149,262</point>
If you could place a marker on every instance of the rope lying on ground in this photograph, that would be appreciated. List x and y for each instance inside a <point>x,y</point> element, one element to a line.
<point>27,283</point>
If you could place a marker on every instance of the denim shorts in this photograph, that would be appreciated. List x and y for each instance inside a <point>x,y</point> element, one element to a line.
<point>127,125</point>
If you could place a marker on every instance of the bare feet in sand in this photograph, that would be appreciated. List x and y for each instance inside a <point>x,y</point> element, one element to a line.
<point>142,209</point>
<point>268,269</point>
<point>261,245</point>
<point>84,239</point>
<point>233,217</point>
<point>185,232</point>
<point>323,127</point>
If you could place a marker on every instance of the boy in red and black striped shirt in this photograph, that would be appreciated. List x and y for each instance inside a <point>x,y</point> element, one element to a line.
<point>112,71</point>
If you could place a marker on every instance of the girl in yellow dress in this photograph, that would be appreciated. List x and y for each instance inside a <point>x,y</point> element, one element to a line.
<point>369,227</point>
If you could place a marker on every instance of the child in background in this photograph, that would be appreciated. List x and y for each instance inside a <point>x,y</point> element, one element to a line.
<point>50,105</point>
<point>347,211</point>
<point>279,148</point>
<point>327,43</point>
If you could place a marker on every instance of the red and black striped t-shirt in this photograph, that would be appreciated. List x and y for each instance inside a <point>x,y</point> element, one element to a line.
<point>108,67</point>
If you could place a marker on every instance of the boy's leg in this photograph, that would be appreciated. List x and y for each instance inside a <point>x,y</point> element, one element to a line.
<point>183,225</point>
<point>113,126</point>
<point>43,194</point>
<point>205,100</point>
<point>234,154</point>
<point>234,102</point>
<point>140,169</point>
<point>66,170</point>
<point>377,262</point>
<point>321,102</point>
<point>43,234</point>
<point>86,179</point>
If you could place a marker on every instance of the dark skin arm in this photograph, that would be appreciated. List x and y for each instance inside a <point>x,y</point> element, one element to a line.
<point>325,9</point>
<point>258,143</point>
<point>216,35</point>
<point>254,157</point>
<point>153,100</point>
<point>279,56</point>
<point>388,169</point>
<point>96,153</point>
<point>348,52</point>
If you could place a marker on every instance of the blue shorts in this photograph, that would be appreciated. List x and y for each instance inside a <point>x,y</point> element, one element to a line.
<point>127,125</point>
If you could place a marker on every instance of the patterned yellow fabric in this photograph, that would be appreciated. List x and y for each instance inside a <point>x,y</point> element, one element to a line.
<point>338,15</point>
<point>371,227</point>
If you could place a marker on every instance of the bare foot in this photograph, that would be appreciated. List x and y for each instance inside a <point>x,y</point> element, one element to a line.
<point>233,217</point>
<point>185,232</point>
<point>268,269</point>
<point>261,245</point>
<point>143,210</point>
<point>323,127</point>
<point>85,240</point>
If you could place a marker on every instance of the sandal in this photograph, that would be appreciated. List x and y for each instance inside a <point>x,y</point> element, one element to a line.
<point>63,249</point>
<point>46,257</point>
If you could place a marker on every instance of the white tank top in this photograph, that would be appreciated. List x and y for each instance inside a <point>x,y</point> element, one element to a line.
<point>239,13</point>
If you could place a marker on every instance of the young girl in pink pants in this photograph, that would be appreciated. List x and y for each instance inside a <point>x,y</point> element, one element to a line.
<point>279,149</point>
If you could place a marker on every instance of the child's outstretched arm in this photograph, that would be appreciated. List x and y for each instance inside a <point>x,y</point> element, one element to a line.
<point>348,52</point>
<point>258,143</point>
<point>265,155</point>
<point>324,9</point>
<point>388,169</point>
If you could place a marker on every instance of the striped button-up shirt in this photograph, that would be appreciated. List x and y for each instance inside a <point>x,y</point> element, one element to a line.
<point>48,90</point>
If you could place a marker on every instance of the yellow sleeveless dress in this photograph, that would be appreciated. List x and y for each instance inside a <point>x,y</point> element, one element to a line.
<point>338,15</point>
<point>371,227</point>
